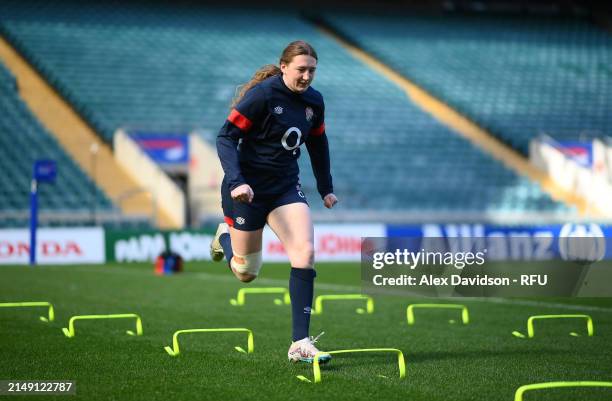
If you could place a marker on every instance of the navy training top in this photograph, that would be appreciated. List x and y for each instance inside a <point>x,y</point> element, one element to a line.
<point>259,144</point>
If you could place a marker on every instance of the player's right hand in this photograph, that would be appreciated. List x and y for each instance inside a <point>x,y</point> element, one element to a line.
<point>243,193</point>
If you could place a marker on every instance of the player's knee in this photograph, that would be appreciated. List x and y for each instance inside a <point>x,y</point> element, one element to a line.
<point>304,254</point>
<point>244,277</point>
<point>246,267</point>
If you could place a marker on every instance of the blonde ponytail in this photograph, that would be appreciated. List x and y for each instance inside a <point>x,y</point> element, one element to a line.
<point>261,74</point>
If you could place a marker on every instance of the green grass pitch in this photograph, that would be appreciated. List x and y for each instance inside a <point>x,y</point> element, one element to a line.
<point>446,362</point>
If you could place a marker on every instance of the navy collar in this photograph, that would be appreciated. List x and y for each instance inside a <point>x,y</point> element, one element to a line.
<point>284,87</point>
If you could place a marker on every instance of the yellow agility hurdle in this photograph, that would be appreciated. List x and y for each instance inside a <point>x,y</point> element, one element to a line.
<point>465,317</point>
<point>70,331</point>
<point>175,351</point>
<point>51,312</point>
<point>317,370</point>
<point>518,396</point>
<point>532,319</point>
<point>240,299</point>
<point>318,309</point>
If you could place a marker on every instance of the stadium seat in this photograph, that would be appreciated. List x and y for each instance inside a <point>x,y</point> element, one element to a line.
<point>516,77</point>
<point>22,141</point>
<point>165,68</point>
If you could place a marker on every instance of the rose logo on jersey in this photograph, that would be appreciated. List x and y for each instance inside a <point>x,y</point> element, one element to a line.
<point>309,113</point>
<point>240,220</point>
<point>278,110</point>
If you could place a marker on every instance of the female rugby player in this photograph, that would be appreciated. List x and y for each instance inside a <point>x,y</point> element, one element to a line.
<point>259,145</point>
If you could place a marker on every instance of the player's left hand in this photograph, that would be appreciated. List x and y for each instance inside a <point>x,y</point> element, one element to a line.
<point>330,200</point>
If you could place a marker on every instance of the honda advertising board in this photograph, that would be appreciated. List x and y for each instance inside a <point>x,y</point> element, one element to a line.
<point>54,246</point>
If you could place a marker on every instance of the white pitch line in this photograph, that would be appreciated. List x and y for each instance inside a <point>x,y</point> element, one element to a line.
<point>351,288</point>
<point>276,282</point>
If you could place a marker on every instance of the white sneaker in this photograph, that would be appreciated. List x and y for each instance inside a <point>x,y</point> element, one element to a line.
<point>304,351</point>
<point>216,250</point>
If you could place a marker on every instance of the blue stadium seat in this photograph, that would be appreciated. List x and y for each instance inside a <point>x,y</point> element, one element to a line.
<point>516,76</point>
<point>165,67</point>
<point>23,140</point>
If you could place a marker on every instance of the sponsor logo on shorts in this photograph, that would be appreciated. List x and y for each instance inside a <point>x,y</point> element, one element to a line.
<point>308,310</point>
<point>240,220</point>
<point>278,110</point>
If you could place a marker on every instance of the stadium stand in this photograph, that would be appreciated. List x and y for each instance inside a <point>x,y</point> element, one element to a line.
<point>160,67</point>
<point>22,141</point>
<point>518,77</point>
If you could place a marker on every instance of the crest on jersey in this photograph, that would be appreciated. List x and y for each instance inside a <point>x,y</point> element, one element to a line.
<point>309,113</point>
<point>278,110</point>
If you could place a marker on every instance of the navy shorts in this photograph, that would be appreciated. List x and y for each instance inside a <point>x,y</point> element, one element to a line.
<point>253,216</point>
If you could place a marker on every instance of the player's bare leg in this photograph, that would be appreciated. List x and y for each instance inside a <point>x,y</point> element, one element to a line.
<point>293,226</point>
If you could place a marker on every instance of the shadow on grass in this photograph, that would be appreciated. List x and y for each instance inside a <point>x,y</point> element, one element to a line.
<point>479,354</point>
<point>340,362</point>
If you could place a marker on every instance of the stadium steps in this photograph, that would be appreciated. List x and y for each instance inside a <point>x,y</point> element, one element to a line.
<point>77,137</point>
<point>516,76</point>
<point>462,125</point>
<point>23,140</point>
<point>165,67</point>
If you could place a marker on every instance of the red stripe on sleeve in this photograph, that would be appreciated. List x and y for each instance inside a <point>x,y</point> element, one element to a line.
<point>229,221</point>
<point>239,120</point>
<point>318,131</point>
